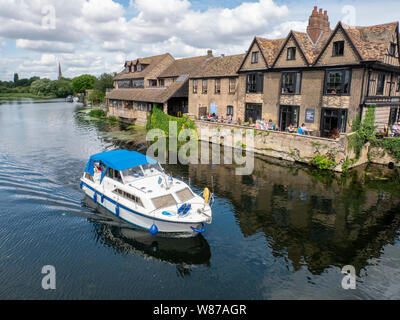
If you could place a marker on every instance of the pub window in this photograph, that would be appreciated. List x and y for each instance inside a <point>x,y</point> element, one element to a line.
<point>204,86</point>
<point>338,48</point>
<point>232,85</point>
<point>291,82</point>
<point>392,50</point>
<point>229,110</point>
<point>194,86</point>
<point>162,82</point>
<point>217,86</point>
<point>152,83</point>
<point>338,81</point>
<point>380,89</point>
<point>255,82</point>
<point>398,84</point>
<point>254,57</point>
<point>291,53</point>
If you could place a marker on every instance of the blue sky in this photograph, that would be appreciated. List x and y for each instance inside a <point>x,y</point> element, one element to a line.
<point>96,36</point>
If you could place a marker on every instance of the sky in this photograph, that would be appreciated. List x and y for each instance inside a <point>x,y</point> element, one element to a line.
<point>97,36</point>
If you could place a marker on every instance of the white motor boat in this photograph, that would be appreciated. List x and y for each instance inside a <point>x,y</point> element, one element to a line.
<point>136,189</point>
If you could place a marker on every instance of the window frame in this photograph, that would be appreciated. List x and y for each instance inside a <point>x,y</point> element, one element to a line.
<point>392,46</point>
<point>293,49</point>
<point>229,110</point>
<point>254,57</point>
<point>378,80</point>
<point>217,86</point>
<point>204,88</point>
<point>334,51</point>
<point>297,82</point>
<point>258,87</point>
<point>343,71</point>
<point>195,86</point>
<point>230,86</point>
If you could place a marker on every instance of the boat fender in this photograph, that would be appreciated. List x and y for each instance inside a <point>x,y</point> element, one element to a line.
<point>81,185</point>
<point>188,207</point>
<point>182,208</point>
<point>117,211</point>
<point>102,198</point>
<point>95,198</point>
<point>206,195</point>
<point>199,230</point>
<point>153,230</point>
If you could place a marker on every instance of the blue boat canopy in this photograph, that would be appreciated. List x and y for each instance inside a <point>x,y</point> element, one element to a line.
<point>118,160</point>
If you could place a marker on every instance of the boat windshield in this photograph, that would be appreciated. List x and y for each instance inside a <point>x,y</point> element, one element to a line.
<point>146,170</point>
<point>132,174</point>
<point>152,169</point>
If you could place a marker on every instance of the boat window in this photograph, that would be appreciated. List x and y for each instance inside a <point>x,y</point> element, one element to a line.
<point>185,195</point>
<point>132,174</point>
<point>152,169</point>
<point>164,201</point>
<point>129,196</point>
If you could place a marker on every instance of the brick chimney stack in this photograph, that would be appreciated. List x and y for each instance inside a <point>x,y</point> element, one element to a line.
<point>317,24</point>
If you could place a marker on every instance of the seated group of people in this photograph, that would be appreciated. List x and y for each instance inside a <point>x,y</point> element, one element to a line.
<point>214,117</point>
<point>301,130</point>
<point>262,125</point>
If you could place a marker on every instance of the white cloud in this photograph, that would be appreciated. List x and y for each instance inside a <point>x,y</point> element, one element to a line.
<point>45,46</point>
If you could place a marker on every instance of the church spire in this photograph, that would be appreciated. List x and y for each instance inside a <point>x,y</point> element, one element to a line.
<point>59,71</point>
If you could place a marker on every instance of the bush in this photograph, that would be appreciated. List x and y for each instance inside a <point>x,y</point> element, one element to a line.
<point>324,162</point>
<point>97,113</point>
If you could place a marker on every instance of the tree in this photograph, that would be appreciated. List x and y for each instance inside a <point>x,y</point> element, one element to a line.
<point>104,82</point>
<point>42,87</point>
<point>82,83</point>
<point>62,88</point>
<point>16,78</point>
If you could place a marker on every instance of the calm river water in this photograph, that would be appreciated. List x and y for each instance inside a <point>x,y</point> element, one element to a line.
<point>284,232</point>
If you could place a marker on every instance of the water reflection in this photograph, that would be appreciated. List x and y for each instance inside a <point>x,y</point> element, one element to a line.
<point>182,252</point>
<point>313,219</point>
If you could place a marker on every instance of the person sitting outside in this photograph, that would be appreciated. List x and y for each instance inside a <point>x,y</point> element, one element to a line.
<point>271,125</point>
<point>229,120</point>
<point>302,130</point>
<point>396,129</point>
<point>290,129</point>
<point>257,126</point>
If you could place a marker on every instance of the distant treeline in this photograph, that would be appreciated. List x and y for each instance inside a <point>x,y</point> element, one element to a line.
<point>62,88</point>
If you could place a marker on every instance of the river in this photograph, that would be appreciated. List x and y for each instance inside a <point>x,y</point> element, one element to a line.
<point>285,232</point>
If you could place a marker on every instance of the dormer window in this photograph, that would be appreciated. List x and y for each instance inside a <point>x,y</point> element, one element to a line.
<point>392,50</point>
<point>254,57</point>
<point>291,53</point>
<point>338,48</point>
<point>139,67</point>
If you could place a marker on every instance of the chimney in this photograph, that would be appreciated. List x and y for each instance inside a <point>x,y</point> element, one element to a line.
<point>209,53</point>
<point>317,24</point>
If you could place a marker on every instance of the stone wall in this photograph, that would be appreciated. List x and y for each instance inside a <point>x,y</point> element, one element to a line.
<point>137,117</point>
<point>282,145</point>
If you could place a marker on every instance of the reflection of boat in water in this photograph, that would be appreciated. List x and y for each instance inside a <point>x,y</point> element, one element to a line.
<point>136,189</point>
<point>183,252</point>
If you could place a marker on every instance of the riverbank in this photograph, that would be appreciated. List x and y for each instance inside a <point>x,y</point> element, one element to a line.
<point>24,95</point>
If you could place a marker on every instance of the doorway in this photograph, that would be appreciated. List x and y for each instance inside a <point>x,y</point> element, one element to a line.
<point>253,112</point>
<point>333,122</point>
<point>288,115</point>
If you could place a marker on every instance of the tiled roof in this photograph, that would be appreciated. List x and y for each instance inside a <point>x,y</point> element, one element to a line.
<point>183,66</point>
<point>311,50</point>
<point>150,61</point>
<point>270,48</point>
<point>220,66</point>
<point>372,43</point>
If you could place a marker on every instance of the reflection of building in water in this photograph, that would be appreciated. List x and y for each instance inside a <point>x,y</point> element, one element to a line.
<point>314,220</point>
<point>182,252</point>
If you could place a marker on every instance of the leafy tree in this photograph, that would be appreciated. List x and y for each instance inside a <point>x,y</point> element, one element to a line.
<point>104,82</point>
<point>42,87</point>
<point>97,96</point>
<point>16,78</point>
<point>62,88</point>
<point>82,83</point>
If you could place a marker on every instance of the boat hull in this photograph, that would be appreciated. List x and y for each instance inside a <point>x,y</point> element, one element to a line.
<point>139,220</point>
